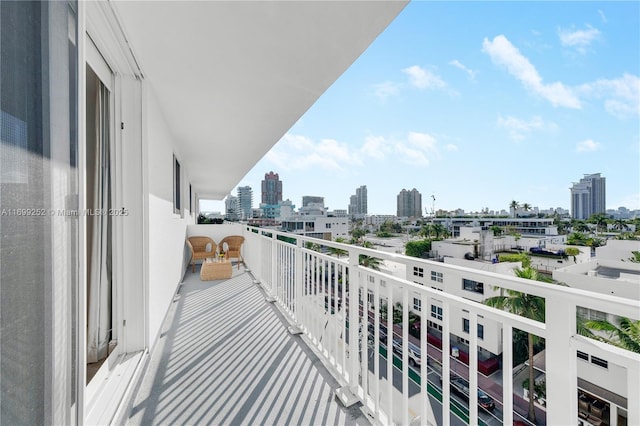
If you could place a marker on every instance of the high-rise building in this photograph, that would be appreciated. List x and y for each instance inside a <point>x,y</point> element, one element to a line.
<point>231,207</point>
<point>588,197</point>
<point>307,200</point>
<point>358,202</point>
<point>271,189</point>
<point>409,203</point>
<point>245,202</point>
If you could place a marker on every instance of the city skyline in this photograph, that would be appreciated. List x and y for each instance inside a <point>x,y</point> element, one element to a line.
<point>531,97</point>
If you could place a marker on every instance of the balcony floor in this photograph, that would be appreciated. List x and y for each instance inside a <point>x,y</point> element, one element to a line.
<point>225,357</point>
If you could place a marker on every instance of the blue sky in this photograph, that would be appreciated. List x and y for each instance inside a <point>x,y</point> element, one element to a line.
<point>477,103</point>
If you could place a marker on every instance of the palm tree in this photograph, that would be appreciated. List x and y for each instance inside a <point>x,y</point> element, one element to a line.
<point>336,251</point>
<point>620,225</point>
<point>370,262</point>
<point>526,207</point>
<point>513,206</point>
<point>438,229</point>
<point>600,220</point>
<point>528,306</point>
<point>497,230</point>
<point>625,334</point>
<point>426,230</point>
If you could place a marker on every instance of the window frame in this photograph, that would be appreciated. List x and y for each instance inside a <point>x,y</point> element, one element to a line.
<point>177,190</point>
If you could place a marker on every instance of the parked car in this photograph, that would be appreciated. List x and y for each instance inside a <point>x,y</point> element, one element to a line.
<point>382,333</point>
<point>460,387</point>
<point>413,355</point>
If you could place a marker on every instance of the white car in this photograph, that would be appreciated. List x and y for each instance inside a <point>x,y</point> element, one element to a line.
<point>413,354</point>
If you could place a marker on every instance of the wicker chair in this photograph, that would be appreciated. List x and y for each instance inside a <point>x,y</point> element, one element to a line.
<point>233,248</point>
<point>198,246</point>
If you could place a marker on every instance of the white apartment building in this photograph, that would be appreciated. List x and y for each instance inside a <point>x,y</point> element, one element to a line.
<point>523,226</point>
<point>322,227</point>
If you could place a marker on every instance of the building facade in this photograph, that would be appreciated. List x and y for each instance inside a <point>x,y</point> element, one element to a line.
<point>245,202</point>
<point>358,202</point>
<point>409,203</point>
<point>271,189</point>
<point>588,197</point>
<point>307,200</point>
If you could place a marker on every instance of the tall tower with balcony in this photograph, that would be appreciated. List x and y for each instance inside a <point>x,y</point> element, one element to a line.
<point>588,197</point>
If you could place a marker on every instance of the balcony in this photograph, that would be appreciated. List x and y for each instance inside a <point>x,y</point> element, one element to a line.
<point>275,343</point>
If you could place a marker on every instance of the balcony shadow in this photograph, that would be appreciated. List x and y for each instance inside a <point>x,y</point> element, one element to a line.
<point>225,357</point>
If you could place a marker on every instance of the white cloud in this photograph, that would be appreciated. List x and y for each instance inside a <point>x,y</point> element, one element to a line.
<point>520,129</point>
<point>451,147</point>
<point>602,16</point>
<point>295,152</point>
<point>588,146</point>
<point>458,64</point>
<point>422,141</point>
<point>578,38</point>
<point>375,147</point>
<point>416,148</point>
<point>503,53</point>
<point>423,78</point>
<point>386,89</point>
<point>621,96</point>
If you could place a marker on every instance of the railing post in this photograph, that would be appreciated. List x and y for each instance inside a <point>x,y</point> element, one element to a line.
<point>561,374</point>
<point>270,289</point>
<point>348,395</point>
<point>297,288</point>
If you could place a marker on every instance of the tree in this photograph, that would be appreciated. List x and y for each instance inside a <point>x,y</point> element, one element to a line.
<point>577,239</point>
<point>417,248</point>
<point>526,207</point>
<point>600,220</point>
<point>426,230</point>
<point>336,251</point>
<point>624,333</point>
<point>514,206</point>
<point>497,230</point>
<point>370,262</point>
<point>635,258</point>
<point>620,225</point>
<point>438,229</point>
<point>357,234</point>
<point>528,306</point>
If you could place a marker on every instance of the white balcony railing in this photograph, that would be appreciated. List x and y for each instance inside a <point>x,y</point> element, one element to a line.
<point>317,290</point>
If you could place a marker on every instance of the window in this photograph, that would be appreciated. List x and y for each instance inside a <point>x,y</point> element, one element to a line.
<point>417,304</point>
<point>599,361</point>
<point>176,186</point>
<point>436,312</point>
<point>436,276</point>
<point>591,314</point>
<point>435,325</point>
<point>474,286</point>
<point>583,355</point>
<point>418,272</point>
<point>327,225</point>
<point>465,328</point>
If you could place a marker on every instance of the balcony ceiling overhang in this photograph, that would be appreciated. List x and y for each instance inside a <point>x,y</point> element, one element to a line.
<point>232,77</point>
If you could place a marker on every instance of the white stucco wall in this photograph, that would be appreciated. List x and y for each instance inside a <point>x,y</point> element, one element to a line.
<point>617,250</point>
<point>167,231</point>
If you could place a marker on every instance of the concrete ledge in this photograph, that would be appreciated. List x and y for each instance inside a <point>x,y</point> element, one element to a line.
<point>346,397</point>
